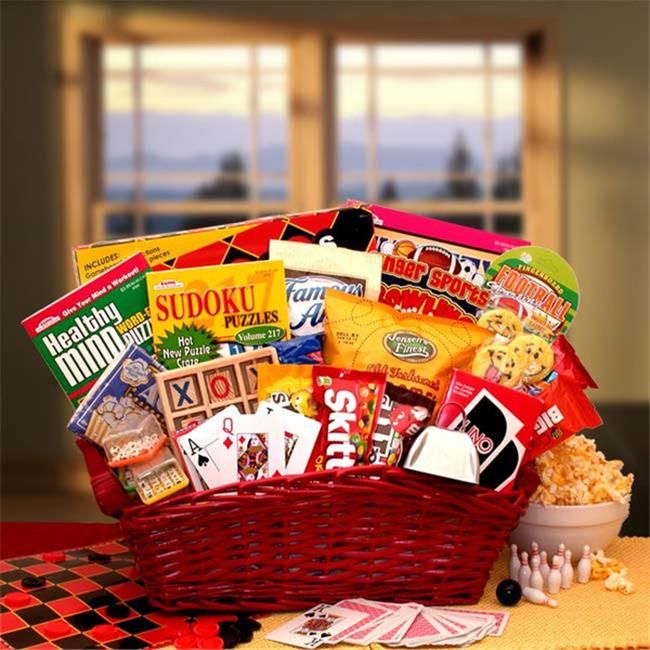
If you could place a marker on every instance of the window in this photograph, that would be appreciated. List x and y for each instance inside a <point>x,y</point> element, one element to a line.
<point>193,135</point>
<point>436,129</point>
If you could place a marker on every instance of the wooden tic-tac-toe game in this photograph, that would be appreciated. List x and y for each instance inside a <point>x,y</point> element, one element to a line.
<point>193,394</point>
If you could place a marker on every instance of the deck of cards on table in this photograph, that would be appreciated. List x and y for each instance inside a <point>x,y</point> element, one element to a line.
<point>409,625</point>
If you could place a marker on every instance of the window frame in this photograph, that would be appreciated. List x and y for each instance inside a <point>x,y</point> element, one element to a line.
<point>312,102</point>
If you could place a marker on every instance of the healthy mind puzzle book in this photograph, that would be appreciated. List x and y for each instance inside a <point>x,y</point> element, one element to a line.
<point>81,333</point>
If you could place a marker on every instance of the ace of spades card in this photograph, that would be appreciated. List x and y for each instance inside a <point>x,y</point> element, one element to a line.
<point>260,446</point>
<point>212,449</point>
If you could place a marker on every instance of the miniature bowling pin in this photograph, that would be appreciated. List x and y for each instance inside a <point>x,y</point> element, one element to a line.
<point>584,566</point>
<point>544,568</point>
<point>566,572</point>
<point>513,566</point>
<point>534,550</point>
<point>560,553</point>
<point>538,597</point>
<point>554,577</point>
<point>536,578</point>
<point>524,571</point>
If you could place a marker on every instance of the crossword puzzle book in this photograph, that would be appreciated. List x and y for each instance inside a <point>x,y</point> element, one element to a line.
<point>82,332</point>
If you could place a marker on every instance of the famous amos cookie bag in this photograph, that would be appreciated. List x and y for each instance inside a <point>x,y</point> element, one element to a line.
<point>415,351</point>
<point>310,269</point>
<point>348,407</point>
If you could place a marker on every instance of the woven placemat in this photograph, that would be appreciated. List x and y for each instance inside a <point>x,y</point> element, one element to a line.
<point>588,615</point>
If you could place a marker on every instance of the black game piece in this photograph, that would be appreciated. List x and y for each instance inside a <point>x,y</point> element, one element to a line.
<point>98,557</point>
<point>508,592</point>
<point>33,582</point>
<point>230,635</point>
<point>117,610</point>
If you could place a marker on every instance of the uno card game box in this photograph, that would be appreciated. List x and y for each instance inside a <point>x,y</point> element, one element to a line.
<point>81,333</point>
<point>195,393</point>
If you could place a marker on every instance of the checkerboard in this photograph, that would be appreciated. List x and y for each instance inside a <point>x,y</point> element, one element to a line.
<point>78,591</point>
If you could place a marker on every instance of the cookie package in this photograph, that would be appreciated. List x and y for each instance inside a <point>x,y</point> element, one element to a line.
<point>310,270</point>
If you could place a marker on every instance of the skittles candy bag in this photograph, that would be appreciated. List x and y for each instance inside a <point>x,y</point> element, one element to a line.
<point>348,406</point>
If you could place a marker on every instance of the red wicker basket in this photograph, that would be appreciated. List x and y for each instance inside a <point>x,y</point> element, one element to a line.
<point>287,543</point>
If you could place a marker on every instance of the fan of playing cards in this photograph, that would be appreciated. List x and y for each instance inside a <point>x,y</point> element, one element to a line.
<point>410,625</point>
<point>225,362</point>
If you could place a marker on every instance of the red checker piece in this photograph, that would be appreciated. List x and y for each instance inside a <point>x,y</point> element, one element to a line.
<point>186,642</point>
<point>54,556</point>
<point>16,599</point>
<point>106,632</point>
<point>55,629</point>
<point>214,642</point>
<point>205,629</point>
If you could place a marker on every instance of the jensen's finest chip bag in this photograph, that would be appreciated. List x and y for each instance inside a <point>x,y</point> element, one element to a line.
<point>348,407</point>
<point>415,351</point>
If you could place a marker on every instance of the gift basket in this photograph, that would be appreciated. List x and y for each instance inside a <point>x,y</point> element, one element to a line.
<point>345,403</point>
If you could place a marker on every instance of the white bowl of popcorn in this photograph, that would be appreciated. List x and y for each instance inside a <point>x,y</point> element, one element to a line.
<point>582,499</point>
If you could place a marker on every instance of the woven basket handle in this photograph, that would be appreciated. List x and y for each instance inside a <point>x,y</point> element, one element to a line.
<point>109,494</point>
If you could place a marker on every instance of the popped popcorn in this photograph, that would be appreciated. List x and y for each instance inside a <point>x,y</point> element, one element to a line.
<point>575,473</point>
<point>602,567</point>
<point>619,582</point>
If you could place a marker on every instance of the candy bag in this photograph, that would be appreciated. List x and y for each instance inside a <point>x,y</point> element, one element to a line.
<point>402,415</point>
<point>567,410</point>
<point>415,351</point>
<point>348,407</point>
<point>300,349</point>
<point>287,385</point>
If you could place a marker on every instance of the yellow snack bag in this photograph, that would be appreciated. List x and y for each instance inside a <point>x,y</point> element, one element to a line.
<point>415,351</point>
<point>287,385</point>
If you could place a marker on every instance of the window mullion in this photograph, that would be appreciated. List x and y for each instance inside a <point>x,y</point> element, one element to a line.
<point>138,142</point>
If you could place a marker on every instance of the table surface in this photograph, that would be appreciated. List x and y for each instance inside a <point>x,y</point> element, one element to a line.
<point>588,616</point>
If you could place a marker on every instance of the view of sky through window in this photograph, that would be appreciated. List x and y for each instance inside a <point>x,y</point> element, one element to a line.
<point>429,123</point>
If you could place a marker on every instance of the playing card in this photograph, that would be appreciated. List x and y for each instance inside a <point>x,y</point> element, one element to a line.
<point>211,448</point>
<point>459,630</point>
<point>423,631</point>
<point>398,624</point>
<point>260,449</point>
<point>371,631</point>
<point>197,482</point>
<point>500,618</point>
<point>374,613</point>
<point>316,626</point>
<point>300,434</point>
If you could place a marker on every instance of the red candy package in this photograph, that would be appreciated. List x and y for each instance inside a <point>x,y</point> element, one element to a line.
<point>348,406</point>
<point>567,410</point>
<point>500,421</point>
<point>402,415</point>
<point>569,365</point>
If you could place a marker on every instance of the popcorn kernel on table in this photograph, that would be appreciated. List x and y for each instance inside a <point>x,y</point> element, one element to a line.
<point>575,473</point>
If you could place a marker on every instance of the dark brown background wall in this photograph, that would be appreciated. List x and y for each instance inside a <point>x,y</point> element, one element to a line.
<point>604,50</point>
